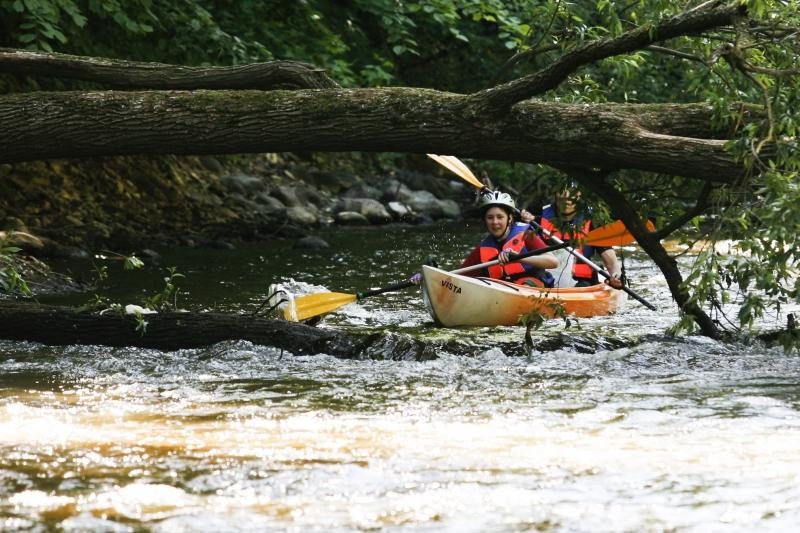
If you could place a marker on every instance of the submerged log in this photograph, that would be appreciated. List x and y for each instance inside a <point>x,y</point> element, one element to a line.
<point>56,325</point>
<point>59,325</point>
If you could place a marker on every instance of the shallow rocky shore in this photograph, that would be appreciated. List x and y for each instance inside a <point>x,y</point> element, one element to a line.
<point>126,204</point>
<point>130,205</point>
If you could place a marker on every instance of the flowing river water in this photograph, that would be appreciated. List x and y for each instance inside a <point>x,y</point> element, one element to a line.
<point>682,434</point>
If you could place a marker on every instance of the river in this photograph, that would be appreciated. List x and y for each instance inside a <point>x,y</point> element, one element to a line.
<point>683,434</point>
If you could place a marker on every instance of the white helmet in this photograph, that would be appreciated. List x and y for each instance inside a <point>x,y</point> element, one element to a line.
<point>497,199</point>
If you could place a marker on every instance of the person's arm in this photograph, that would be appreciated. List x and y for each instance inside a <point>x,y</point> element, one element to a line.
<point>611,264</point>
<point>613,267</point>
<point>474,258</point>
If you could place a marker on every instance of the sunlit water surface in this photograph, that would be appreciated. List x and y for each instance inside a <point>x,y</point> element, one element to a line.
<point>671,434</point>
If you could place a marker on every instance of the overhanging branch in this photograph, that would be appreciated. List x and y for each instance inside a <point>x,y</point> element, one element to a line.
<point>137,75</point>
<point>691,22</point>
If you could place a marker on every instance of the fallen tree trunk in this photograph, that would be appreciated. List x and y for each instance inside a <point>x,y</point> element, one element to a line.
<point>56,325</point>
<point>674,139</point>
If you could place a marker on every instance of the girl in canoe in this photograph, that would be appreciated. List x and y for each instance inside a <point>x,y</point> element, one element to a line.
<point>507,238</point>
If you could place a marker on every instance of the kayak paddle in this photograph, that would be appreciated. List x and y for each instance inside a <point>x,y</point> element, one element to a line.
<point>457,167</point>
<point>311,305</point>
<point>613,234</point>
<point>470,178</point>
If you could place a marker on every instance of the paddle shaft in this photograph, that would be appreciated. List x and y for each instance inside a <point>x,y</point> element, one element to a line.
<point>396,287</point>
<point>518,257</point>
<point>592,265</point>
<point>405,284</point>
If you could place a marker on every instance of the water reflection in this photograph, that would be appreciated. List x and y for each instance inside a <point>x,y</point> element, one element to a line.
<point>681,434</point>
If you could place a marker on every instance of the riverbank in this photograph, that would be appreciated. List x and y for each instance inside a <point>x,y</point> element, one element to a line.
<point>131,205</point>
<point>125,204</point>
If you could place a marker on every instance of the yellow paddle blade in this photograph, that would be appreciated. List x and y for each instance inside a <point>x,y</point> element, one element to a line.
<point>614,234</point>
<point>312,305</point>
<point>465,171</point>
<point>457,167</point>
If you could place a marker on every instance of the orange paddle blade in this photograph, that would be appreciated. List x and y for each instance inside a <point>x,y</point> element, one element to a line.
<point>457,167</point>
<point>614,234</point>
<point>312,305</point>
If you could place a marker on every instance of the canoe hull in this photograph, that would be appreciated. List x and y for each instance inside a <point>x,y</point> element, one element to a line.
<point>454,300</point>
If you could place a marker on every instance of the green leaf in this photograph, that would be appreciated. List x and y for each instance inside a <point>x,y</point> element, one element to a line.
<point>132,262</point>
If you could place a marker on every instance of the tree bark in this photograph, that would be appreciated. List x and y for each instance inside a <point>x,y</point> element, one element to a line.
<point>670,139</point>
<point>57,325</point>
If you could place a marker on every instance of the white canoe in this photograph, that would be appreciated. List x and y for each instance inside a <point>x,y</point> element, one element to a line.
<point>455,300</point>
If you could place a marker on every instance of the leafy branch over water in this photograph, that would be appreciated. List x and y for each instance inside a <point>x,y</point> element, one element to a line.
<point>11,280</point>
<point>164,300</point>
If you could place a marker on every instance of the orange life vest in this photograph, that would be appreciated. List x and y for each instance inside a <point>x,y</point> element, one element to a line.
<point>518,272</point>
<point>580,270</point>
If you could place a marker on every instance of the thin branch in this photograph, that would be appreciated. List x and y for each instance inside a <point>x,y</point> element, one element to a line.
<point>735,59</point>
<point>533,51</point>
<point>677,53</point>
<point>142,75</point>
<point>698,209</point>
<point>527,55</point>
<point>778,73</point>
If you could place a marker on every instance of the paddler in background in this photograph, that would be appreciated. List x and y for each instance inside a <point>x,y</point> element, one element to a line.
<point>563,219</point>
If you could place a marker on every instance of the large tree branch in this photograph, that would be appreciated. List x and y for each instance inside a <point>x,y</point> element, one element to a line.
<point>691,22</point>
<point>669,139</point>
<point>136,75</point>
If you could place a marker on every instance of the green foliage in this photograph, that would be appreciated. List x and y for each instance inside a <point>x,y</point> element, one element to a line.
<point>50,24</point>
<point>11,280</point>
<point>101,304</point>
<point>364,42</point>
<point>141,323</point>
<point>545,308</point>
<point>131,262</point>
<point>167,299</point>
